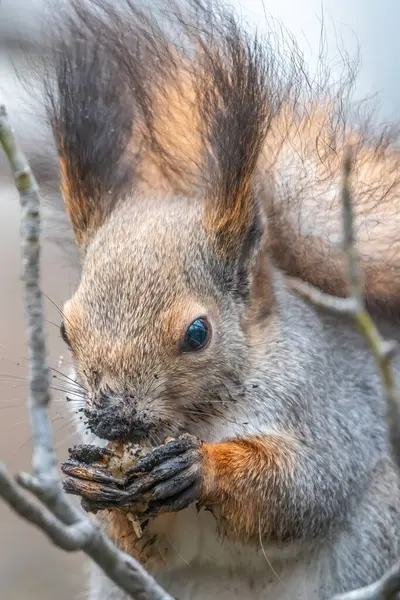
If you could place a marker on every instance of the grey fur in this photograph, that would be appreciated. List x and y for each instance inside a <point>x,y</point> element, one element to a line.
<point>319,380</point>
<point>327,519</point>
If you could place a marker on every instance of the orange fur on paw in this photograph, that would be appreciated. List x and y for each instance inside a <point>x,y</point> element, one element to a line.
<point>240,480</point>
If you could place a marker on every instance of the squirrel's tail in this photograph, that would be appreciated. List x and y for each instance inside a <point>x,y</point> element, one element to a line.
<point>187,99</point>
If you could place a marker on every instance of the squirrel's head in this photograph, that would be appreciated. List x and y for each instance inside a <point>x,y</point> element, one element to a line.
<point>171,280</point>
<point>158,325</point>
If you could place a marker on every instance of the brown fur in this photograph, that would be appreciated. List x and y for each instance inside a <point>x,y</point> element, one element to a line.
<point>240,478</point>
<point>175,149</point>
<point>150,550</point>
<point>236,474</point>
<point>195,175</point>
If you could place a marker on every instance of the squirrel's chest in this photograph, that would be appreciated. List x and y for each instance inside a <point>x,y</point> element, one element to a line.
<point>230,584</point>
<point>189,557</point>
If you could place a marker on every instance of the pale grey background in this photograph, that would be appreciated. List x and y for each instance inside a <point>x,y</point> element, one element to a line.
<point>29,567</point>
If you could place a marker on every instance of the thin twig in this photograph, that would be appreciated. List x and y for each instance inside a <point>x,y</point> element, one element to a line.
<point>342,306</point>
<point>70,538</point>
<point>386,588</point>
<point>354,276</point>
<point>65,525</point>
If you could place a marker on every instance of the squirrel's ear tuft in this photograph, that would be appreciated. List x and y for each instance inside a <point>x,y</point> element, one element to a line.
<point>91,117</point>
<point>236,107</point>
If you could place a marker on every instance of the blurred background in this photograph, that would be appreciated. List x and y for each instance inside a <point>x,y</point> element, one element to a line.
<point>30,568</point>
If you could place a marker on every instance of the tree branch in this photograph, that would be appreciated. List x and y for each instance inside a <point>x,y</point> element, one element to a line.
<point>65,525</point>
<point>69,537</point>
<point>385,588</point>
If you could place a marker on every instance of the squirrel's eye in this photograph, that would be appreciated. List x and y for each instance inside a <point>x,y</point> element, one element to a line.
<point>196,336</point>
<point>63,333</point>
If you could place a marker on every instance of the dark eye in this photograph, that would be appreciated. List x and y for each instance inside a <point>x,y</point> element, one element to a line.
<point>63,333</point>
<point>196,336</point>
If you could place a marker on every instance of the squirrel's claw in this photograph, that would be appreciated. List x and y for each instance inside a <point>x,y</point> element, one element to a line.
<point>174,503</point>
<point>176,493</point>
<point>76,469</point>
<point>93,491</point>
<point>97,487</point>
<point>173,479</point>
<point>177,484</point>
<point>161,454</point>
<point>167,479</point>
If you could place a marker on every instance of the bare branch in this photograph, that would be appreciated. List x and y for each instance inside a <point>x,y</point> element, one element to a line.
<point>383,350</point>
<point>67,537</point>
<point>65,525</point>
<point>343,306</point>
<point>43,458</point>
<point>385,588</point>
<point>354,275</point>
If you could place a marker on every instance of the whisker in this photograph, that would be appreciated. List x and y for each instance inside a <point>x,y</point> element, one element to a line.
<point>19,385</point>
<point>77,401</point>
<point>6,378</point>
<point>14,425</point>
<point>29,439</point>
<point>51,387</point>
<point>52,323</point>
<point>64,398</point>
<point>175,547</point>
<point>20,381</point>
<point>66,391</point>
<point>220,401</point>
<point>15,362</point>
<point>55,306</point>
<point>170,389</point>
<point>69,383</point>
<point>67,386</point>
<point>66,424</point>
<point>23,421</point>
<point>70,390</point>
<point>69,378</point>
<point>153,439</point>
<point>266,557</point>
<point>62,442</point>
<point>208,415</point>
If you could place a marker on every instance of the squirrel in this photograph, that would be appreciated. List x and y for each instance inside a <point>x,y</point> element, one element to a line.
<point>200,169</point>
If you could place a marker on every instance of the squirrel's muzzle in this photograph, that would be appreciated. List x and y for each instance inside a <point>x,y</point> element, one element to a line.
<point>117,419</point>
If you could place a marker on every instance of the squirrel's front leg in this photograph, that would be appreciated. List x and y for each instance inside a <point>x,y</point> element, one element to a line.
<point>243,481</point>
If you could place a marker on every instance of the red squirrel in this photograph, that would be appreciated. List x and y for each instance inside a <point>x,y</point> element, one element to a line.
<point>200,171</point>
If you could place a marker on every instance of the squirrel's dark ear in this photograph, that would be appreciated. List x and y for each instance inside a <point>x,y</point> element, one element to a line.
<point>86,213</point>
<point>91,118</point>
<point>236,112</point>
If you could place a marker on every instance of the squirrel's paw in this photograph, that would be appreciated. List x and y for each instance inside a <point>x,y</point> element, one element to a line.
<point>169,478</point>
<point>97,487</point>
<point>165,480</point>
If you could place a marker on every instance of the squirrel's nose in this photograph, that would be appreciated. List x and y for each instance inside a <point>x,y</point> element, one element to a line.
<point>115,417</point>
<point>108,398</point>
<point>114,420</point>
